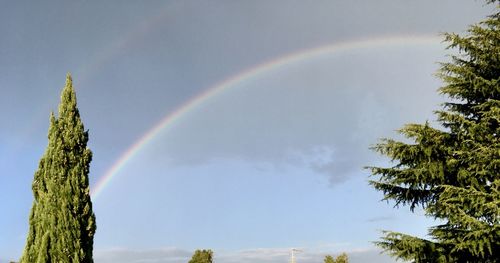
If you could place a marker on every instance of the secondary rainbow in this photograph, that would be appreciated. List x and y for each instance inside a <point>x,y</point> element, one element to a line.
<point>119,46</point>
<point>302,55</point>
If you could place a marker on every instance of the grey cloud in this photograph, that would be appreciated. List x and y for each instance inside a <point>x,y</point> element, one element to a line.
<point>338,171</point>
<point>317,114</point>
<point>335,163</point>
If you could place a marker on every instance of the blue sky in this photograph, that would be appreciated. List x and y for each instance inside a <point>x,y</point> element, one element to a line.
<point>272,163</point>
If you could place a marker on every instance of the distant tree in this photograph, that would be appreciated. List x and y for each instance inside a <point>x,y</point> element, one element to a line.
<point>342,258</point>
<point>202,256</point>
<point>329,259</point>
<point>61,223</point>
<point>453,171</point>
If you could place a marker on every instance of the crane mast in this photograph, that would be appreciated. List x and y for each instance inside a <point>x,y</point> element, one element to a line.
<point>292,254</point>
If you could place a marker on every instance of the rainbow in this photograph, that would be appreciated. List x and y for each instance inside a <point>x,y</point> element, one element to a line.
<point>115,48</point>
<point>246,75</point>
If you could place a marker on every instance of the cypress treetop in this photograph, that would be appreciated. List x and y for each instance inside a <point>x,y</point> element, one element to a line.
<point>61,223</point>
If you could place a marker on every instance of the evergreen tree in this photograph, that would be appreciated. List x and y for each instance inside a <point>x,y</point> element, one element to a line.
<point>453,171</point>
<point>61,223</point>
<point>202,256</point>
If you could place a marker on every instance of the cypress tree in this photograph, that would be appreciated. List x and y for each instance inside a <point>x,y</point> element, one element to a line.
<point>61,222</point>
<point>452,171</point>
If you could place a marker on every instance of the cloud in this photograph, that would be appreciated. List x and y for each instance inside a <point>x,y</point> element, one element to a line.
<point>380,219</point>
<point>172,255</point>
<point>262,255</point>
<point>265,255</point>
<point>322,114</point>
<point>326,160</point>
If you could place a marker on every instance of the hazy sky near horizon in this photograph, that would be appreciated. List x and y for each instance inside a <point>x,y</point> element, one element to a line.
<point>271,163</point>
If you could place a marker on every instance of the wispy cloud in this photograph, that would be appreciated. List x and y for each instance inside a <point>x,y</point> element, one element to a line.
<point>262,255</point>
<point>380,219</point>
<point>172,255</point>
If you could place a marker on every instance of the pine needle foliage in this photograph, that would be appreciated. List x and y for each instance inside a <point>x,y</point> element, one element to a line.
<point>202,256</point>
<point>61,222</point>
<point>452,172</point>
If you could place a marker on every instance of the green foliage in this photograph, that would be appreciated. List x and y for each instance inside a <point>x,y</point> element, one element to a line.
<point>329,259</point>
<point>453,172</point>
<point>342,258</point>
<point>202,256</point>
<point>62,224</point>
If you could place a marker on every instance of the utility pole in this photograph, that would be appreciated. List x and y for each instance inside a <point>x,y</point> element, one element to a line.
<point>292,256</point>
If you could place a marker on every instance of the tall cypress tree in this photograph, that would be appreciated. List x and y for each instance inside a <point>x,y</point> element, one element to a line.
<point>453,171</point>
<point>61,223</point>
